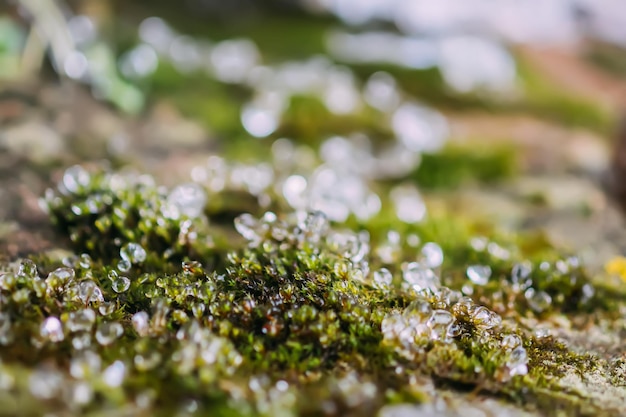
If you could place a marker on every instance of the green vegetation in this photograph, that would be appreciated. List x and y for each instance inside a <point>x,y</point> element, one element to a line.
<point>457,165</point>
<point>301,310</point>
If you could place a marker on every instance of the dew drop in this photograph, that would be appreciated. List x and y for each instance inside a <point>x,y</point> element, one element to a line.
<point>439,323</point>
<point>45,383</point>
<point>478,274</point>
<point>84,261</point>
<point>106,308</point>
<point>248,227</point>
<point>75,179</point>
<point>114,374</point>
<point>520,276</point>
<point>121,284</point>
<point>432,255</point>
<point>60,277</point>
<point>52,330</point>
<point>538,301</point>
<point>81,341</point>
<point>123,266</point>
<point>420,278</point>
<point>189,198</point>
<point>27,269</point>
<point>140,322</point>
<point>89,292</point>
<point>483,318</point>
<point>81,320</point>
<point>133,253</point>
<point>108,333</point>
<point>511,341</point>
<point>382,278</point>
<point>85,364</point>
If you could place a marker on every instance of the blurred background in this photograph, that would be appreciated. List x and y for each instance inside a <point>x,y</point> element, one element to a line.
<point>503,113</point>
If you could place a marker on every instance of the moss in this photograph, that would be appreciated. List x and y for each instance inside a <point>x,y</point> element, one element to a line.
<point>216,106</point>
<point>458,164</point>
<point>294,314</point>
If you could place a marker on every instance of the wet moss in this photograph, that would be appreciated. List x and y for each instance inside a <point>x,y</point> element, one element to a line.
<point>298,312</point>
<point>458,165</point>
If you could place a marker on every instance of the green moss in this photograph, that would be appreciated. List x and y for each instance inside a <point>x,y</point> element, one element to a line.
<point>294,314</point>
<point>216,106</point>
<point>458,164</point>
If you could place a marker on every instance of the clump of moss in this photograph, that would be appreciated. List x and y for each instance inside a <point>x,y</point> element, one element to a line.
<point>303,309</point>
<point>101,212</point>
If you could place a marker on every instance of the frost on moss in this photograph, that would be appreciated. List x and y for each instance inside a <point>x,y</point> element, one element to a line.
<point>300,318</point>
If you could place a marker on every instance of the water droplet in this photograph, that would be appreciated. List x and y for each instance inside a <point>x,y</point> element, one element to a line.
<point>382,278</point>
<point>141,323</point>
<point>81,393</point>
<point>81,341</point>
<point>454,330</point>
<point>106,308</point>
<point>52,330</point>
<point>81,320</point>
<point>467,289</point>
<point>8,281</point>
<point>418,128</point>
<point>75,179</point>
<point>189,198</point>
<point>315,226</point>
<point>123,265</point>
<point>133,253</point>
<point>109,332</point>
<point>511,341</point>
<point>439,323</point>
<point>419,309</point>
<point>420,278</point>
<point>60,278</point>
<point>520,276</point>
<point>146,362</point>
<point>45,383</point>
<point>114,374</point>
<point>408,202</point>
<point>587,293</point>
<point>84,261</point>
<point>483,318</point>
<point>518,355</point>
<point>248,227</point>
<point>89,292</point>
<point>381,91</point>
<point>27,269</point>
<point>538,301</point>
<point>121,284</point>
<point>294,191</point>
<point>279,231</point>
<point>432,255</point>
<point>479,274</point>
<point>85,364</point>
<point>346,244</point>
